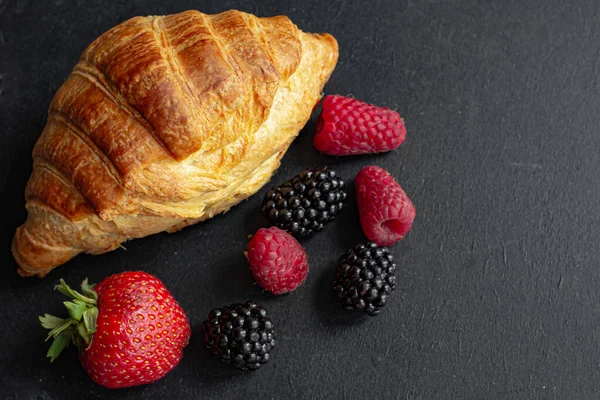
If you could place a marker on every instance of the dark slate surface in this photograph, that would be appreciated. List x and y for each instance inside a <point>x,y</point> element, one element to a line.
<point>498,280</point>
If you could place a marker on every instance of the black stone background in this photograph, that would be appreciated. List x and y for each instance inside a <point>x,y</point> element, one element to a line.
<point>498,280</point>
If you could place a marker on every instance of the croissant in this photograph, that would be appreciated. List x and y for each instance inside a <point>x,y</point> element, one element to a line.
<point>166,121</point>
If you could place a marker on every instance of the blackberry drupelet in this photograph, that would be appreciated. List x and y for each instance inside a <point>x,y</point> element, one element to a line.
<point>240,334</point>
<point>365,278</point>
<point>306,203</point>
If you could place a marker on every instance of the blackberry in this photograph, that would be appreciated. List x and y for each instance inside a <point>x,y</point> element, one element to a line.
<point>306,203</point>
<point>240,334</point>
<point>365,278</point>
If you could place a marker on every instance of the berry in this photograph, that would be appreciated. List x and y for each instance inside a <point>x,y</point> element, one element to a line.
<point>386,213</point>
<point>129,329</point>
<point>241,334</point>
<point>278,262</point>
<point>365,278</point>
<point>305,203</point>
<point>348,126</point>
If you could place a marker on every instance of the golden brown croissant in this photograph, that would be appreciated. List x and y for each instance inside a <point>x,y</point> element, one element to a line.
<point>164,122</point>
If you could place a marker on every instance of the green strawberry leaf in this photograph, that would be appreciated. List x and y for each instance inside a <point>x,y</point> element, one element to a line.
<point>51,322</point>
<point>67,291</point>
<point>56,331</point>
<point>85,335</point>
<point>89,319</point>
<point>88,291</point>
<point>58,345</point>
<point>76,308</point>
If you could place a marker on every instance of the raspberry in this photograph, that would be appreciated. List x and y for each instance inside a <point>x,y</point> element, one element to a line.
<point>278,262</point>
<point>386,213</point>
<point>347,126</point>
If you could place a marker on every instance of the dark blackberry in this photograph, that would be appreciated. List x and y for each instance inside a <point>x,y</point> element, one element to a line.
<point>240,334</point>
<point>365,278</point>
<point>306,203</point>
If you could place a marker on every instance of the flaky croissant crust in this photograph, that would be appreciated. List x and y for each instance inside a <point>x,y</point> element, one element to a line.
<point>166,121</point>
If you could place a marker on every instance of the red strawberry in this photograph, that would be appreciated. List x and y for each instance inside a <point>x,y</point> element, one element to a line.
<point>129,329</point>
<point>278,262</point>
<point>386,213</point>
<point>348,126</point>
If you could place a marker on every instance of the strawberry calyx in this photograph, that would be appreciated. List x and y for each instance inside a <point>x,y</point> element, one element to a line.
<point>80,326</point>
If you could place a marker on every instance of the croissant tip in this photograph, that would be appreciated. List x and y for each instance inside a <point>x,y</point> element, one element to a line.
<point>24,257</point>
<point>23,273</point>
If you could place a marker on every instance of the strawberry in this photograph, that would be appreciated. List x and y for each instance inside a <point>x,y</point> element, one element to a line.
<point>129,329</point>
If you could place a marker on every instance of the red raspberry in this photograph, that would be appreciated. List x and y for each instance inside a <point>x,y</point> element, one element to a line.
<point>278,262</point>
<point>348,126</point>
<point>386,212</point>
